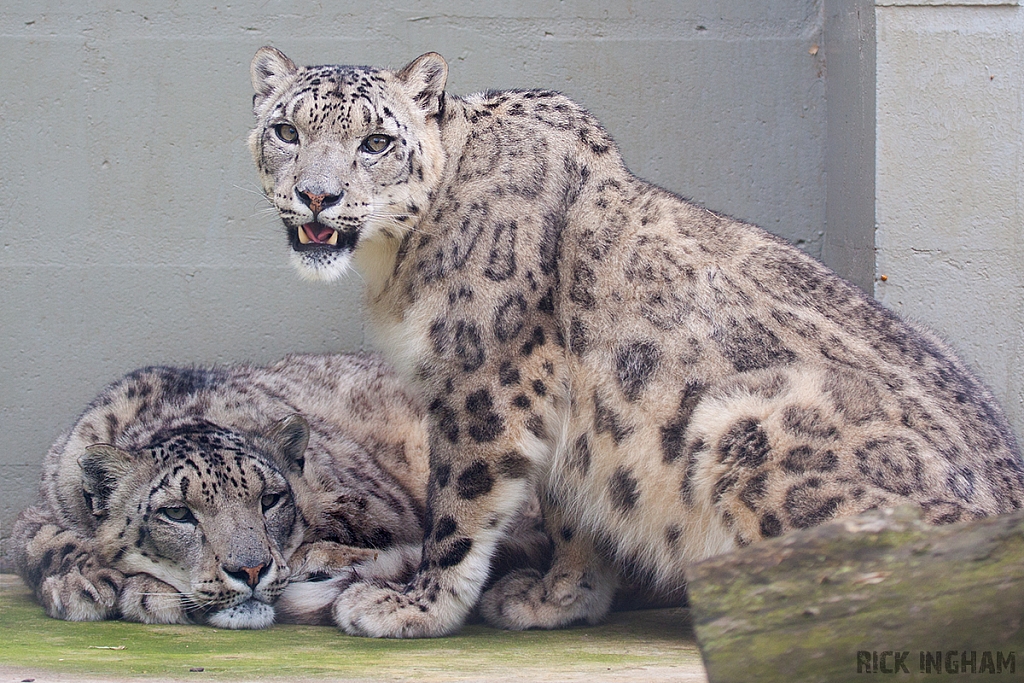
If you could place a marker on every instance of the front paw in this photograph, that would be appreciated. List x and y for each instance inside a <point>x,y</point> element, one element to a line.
<point>528,599</point>
<point>325,559</point>
<point>151,601</point>
<point>312,602</point>
<point>86,594</point>
<point>386,611</point>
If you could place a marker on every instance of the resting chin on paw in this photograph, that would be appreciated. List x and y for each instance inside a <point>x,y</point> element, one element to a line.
<point>188,495</point>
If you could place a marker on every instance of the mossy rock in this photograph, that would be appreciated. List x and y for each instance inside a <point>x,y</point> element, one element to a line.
<point>879,593</point>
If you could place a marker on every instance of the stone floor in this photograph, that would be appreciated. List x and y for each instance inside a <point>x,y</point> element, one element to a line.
<point>649,645</point>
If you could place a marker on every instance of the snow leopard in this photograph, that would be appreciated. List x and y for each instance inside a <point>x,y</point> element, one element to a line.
<point>213,495</point>
<point>675,383</point>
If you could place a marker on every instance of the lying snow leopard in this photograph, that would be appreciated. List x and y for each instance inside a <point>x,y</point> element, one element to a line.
<point>676,382</point>
<point>196,495</point>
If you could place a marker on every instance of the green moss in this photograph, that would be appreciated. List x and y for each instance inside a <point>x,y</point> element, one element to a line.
<point>802,607</point>
<point>654,638</point>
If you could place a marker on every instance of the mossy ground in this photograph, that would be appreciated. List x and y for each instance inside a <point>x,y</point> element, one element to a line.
<point>651,645</point>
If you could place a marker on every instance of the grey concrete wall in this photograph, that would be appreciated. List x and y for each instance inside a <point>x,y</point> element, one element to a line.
<point>950,178</point>
<point>132,229</point>
<point>849,244</point>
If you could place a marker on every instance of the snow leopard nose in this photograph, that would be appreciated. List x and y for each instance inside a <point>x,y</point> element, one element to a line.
<point>248,575</point>
<point>317,202</point>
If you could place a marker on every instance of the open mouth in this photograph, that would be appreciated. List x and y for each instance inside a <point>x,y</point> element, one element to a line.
<point>317,233</point>
<point>317,236</point>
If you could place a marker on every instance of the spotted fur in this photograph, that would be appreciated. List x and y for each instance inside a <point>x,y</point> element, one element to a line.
<point>205,495</point>
<point>676,383</point>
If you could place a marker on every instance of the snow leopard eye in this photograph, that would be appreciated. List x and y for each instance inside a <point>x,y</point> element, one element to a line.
<point>375,144</point>
<point>287,133</point>
<point>178,513</point>
<point>270,500</point>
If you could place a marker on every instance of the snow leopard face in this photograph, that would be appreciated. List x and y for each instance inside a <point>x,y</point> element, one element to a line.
<point>203,509</point>
<point>347,155</point>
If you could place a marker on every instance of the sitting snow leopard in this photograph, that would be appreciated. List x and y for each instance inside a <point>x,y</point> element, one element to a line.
<point>677,383</point>
<point>196,495</point>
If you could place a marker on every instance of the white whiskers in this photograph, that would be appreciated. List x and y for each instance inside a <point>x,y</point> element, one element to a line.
<point>187,599</point>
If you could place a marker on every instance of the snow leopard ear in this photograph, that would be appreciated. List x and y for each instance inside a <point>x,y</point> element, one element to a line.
<point>269,71</point>
<point>292,436</point>
<point>102,466</point>
<point>424,78</point>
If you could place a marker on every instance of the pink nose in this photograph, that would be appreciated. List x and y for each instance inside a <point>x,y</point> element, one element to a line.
<point>317,202</point>
<point>254,574</point>
<point>250,575</point>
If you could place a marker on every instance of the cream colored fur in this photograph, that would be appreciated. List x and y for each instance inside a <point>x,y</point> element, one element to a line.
<point>674,383</point>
